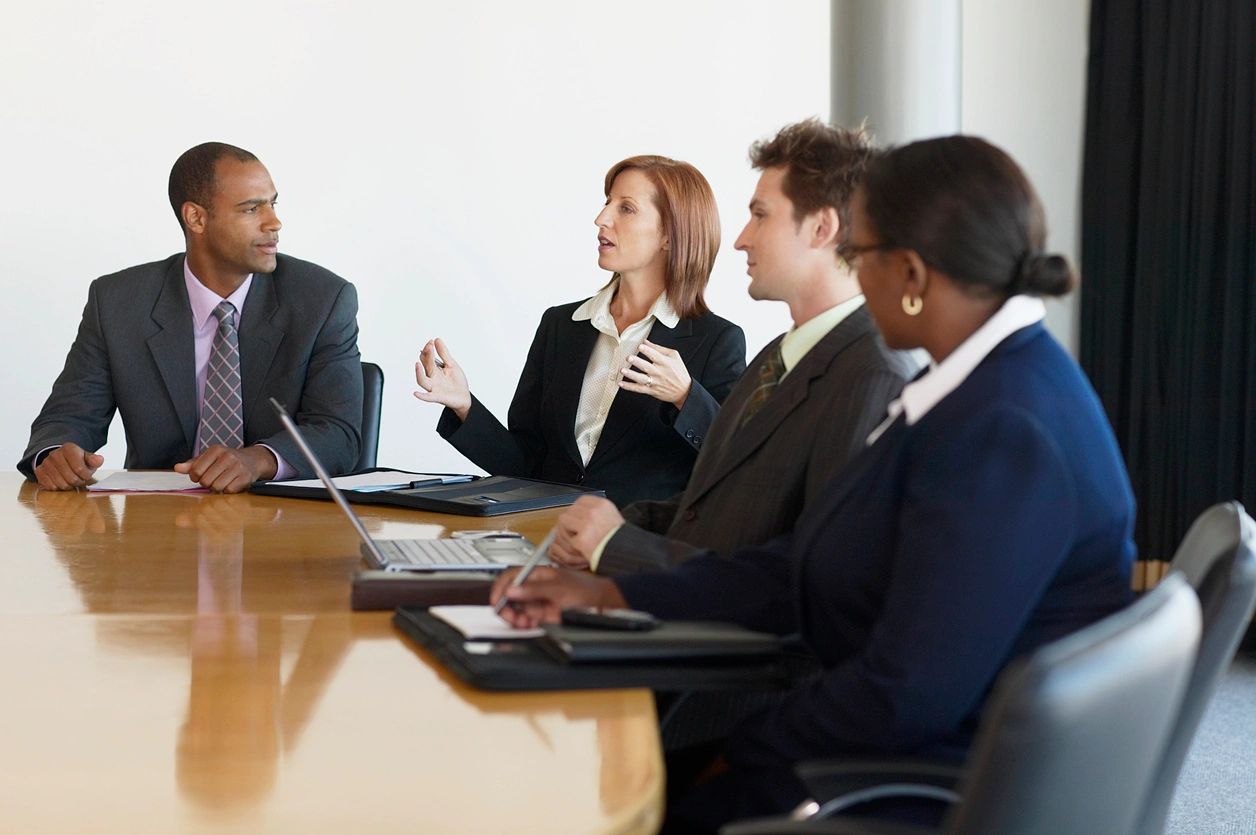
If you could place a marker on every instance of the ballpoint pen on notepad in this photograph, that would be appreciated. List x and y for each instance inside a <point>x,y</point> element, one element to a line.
<point>535,557</point>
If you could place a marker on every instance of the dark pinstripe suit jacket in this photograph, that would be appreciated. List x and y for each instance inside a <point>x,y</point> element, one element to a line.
<point>751,482</point>
<point>134,353</point>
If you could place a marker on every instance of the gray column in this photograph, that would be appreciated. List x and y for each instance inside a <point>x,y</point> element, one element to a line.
<point>896,63</point>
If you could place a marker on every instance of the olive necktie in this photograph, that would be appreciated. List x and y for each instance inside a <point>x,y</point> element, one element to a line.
<point>768,376</point>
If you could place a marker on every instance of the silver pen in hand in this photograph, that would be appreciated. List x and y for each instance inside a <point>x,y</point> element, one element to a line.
<point>538,553</point>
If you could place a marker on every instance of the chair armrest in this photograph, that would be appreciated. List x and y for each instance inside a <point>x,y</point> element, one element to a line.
<point>837,785</point>
<point>832,826</point>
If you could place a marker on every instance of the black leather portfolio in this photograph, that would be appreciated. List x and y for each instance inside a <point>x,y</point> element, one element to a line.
<point>741,660</point>
<point>491,496</point>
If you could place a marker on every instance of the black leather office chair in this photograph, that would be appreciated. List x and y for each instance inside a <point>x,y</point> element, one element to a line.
<point>1071,736</point>
<point>372,405</point>
<point>1218,558</point>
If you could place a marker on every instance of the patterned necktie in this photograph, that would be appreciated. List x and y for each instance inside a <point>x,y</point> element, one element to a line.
<point>222,419</point>
<point>768,376</point>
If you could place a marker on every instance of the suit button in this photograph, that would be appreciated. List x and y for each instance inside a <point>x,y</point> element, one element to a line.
<point>580,479</point>
<point>697,440</point>
<point>690,514</point>
<point>689,434</point>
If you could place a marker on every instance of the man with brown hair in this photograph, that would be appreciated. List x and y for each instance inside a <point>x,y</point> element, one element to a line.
<point>805,404</point>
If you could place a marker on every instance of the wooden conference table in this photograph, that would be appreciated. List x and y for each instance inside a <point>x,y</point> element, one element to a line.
<point>189,663</point>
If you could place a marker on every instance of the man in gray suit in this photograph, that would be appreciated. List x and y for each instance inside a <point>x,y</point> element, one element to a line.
<point>804,406</point>
<point>189,349</point>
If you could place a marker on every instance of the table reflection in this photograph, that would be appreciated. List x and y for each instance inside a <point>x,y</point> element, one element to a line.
<point>244,601</point>
<point>140,553</point>
<point>242,713</point>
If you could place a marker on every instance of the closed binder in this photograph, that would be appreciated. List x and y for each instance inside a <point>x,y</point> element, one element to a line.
<point>671,641</point>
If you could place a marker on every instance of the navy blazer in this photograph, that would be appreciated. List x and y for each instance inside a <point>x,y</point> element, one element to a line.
<point>647,448</point>
<point>1000,521</point>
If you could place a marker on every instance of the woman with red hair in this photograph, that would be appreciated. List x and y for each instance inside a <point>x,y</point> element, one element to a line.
<point>618,390</point>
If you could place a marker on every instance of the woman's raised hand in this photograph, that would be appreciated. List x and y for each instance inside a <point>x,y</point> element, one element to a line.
<point>441,380</point>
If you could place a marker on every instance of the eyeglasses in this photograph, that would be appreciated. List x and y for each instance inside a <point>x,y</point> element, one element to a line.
<point>851,252</point>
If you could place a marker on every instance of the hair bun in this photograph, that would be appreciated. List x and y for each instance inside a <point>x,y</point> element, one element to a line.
<point>1042,274</point>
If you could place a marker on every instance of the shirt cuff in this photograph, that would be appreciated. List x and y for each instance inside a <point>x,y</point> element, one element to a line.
<point>282,470</point>
<point>38,458</point>
<point>596,556</point>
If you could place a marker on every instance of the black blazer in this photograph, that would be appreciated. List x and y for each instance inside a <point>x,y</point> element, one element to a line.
<point>647,448</point>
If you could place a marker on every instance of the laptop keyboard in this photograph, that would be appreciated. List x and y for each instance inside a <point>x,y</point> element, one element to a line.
<point>432,552</point>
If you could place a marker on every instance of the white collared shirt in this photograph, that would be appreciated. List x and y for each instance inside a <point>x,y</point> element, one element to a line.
<point>610,354</point>
<point>921,395</point>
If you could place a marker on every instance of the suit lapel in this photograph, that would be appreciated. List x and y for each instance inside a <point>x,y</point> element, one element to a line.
<point>629,408</point>
<point>573,347</point>
<point>259,340</point>
<point>173,350</point>
<point>793,391</point>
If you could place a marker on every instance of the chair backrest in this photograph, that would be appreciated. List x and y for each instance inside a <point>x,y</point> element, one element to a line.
<point>372,405</point>
<point>1218,557</point>
<point>1072,734</point>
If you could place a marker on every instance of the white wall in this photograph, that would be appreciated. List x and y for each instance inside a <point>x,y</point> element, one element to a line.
<point>1024,88</point>
<point>445,157</point>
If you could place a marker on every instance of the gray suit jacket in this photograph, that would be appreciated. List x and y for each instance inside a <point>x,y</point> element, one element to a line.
<point>134,353</point>
<point>749,484</point>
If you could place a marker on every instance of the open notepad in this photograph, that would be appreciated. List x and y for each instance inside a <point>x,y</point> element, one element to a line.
<point>479,623</point>
<point>382,480</point>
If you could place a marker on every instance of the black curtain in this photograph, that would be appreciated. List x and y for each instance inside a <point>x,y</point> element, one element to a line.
<point>1168,293</point>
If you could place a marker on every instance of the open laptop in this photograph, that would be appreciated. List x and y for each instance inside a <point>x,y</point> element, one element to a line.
<point>414,554</point>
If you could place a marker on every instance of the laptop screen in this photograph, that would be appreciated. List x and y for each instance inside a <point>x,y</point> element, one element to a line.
<point>376,557</point>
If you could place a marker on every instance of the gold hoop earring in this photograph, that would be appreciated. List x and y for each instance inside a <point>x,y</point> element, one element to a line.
<point>912,305</point>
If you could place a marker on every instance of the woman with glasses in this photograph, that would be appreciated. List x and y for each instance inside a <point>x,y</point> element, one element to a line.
<point>989,514</point>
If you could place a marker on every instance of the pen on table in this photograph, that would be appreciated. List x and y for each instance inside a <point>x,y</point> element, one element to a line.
<point>535,557</point>
<point>439,481</point>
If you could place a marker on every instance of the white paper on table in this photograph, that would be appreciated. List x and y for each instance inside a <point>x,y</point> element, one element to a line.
<point>142,482</point>
<point>479,623</point>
